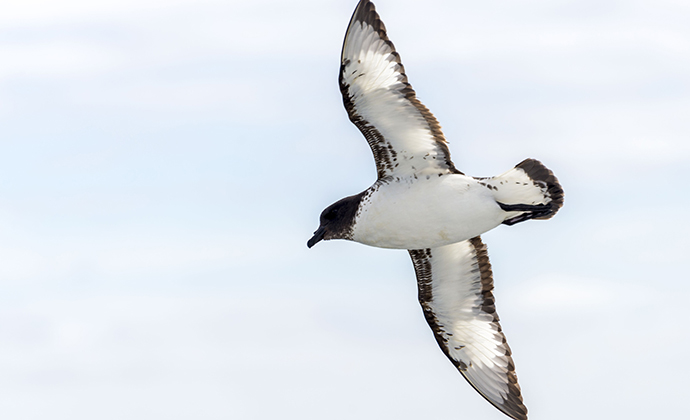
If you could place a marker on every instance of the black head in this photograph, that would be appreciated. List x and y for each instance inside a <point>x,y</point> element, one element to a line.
<point>337,220</point>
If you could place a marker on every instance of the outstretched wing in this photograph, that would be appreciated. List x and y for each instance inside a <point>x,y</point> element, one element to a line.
<point>455,290</point>
<point>403,134</point>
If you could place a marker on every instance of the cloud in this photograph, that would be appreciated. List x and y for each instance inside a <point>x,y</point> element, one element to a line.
<point>45,12</point>
<point>165,162</point>
<point>565,292</point>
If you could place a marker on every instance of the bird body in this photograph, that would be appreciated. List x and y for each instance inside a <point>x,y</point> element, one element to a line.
<point>425,212</point>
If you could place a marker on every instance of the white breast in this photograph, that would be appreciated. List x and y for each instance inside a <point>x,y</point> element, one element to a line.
<point>426,212</point>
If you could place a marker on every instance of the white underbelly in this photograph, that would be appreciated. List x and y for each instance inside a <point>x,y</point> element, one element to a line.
<point>426,213</point>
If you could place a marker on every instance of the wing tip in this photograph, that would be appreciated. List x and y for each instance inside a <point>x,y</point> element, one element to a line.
<point>366,13</point>
<point>512,404</point>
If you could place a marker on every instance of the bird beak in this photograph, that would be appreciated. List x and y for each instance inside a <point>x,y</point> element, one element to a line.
<point>318,235</point>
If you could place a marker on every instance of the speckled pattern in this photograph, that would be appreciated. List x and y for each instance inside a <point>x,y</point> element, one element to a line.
<point>455,286</point>
<point>367,49</point>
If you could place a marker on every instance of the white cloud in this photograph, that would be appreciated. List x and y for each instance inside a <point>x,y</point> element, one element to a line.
<point>56,59</point>
<point>42,12</point>
<point>161,152</point>
<point>564,292</point>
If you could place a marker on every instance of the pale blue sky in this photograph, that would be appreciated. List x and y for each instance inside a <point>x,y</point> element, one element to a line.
<point>164,163</point>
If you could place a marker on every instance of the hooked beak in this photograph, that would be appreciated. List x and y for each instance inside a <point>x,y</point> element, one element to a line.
<point>318,235</point>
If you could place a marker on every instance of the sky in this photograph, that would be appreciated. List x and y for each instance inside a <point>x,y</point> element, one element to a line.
<point>163,164</point>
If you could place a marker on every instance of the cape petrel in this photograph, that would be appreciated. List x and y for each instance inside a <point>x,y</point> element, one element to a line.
<point>422,203</point>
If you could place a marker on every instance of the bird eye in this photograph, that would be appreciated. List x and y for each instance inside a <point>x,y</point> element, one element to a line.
<point>331,214</point>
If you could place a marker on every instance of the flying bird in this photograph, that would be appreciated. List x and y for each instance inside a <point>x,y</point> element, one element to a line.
<point>422,203</point>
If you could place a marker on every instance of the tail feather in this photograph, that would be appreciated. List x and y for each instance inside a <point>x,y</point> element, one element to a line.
<point>531,183</point>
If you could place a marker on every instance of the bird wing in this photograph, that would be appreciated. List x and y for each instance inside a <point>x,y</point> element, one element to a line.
<point>455,290</point>
<point>403,134</point>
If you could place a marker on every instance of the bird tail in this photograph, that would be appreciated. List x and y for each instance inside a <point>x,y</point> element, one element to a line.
<point>529,183</point>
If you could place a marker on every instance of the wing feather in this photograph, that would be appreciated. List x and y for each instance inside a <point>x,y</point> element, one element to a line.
<point>455,290</point>
<point>404,136</point>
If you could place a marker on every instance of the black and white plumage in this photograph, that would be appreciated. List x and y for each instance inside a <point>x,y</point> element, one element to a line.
<point>422,203</point>
<point>383,105</point>
<point>455,290</point>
